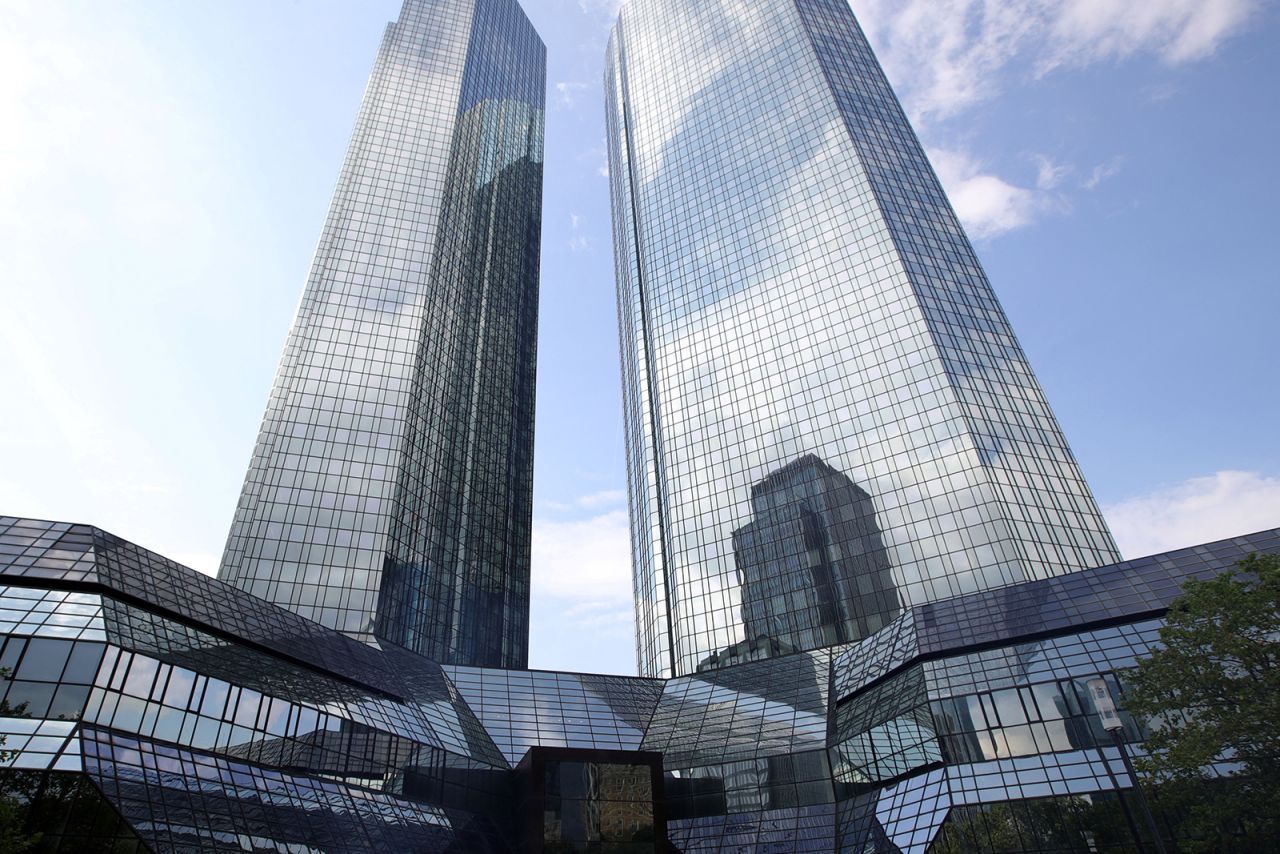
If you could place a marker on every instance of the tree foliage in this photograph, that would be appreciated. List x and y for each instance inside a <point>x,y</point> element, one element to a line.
<point>14,839</point>
<point>1071,823</point>
<point>1211,697</point>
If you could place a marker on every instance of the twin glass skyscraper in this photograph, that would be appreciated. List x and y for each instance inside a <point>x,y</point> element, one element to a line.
<point>390,492</point>
<point>828,417</point>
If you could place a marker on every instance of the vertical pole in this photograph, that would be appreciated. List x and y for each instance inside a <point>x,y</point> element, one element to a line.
<point>1124,805</point>
<point>1118,737</point>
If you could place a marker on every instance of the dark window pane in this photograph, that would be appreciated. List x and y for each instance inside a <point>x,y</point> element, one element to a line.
<point>44,659</point>
<point>12,652</point>
<point>82,666</point>
<point>29,699</point>
<point>68,702</point>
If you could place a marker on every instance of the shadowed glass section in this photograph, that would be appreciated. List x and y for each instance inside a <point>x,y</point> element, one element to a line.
<point>184,799</point>
<point>390,492</point>
<point>792,283</point>
<point>456,584</point>
<point>67,813</point>
<point>1136,589</point>
<point>522,710</point>
<point>605,801</point>
<point>793,829</point>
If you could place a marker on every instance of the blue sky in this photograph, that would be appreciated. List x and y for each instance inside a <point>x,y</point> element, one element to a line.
<point>166,166</point>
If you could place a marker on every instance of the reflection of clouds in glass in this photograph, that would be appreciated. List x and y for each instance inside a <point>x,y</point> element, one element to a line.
<point>723,31</point>
<point>793,282</point>
<point>742,712</point>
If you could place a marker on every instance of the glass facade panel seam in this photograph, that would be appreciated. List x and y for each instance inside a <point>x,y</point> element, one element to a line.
<point>654,633</point>
<point>390,491</point>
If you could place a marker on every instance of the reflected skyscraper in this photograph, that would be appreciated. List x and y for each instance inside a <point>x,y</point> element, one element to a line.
<point>811,563</point>
<point>792,281</point>
<point>390,492</point>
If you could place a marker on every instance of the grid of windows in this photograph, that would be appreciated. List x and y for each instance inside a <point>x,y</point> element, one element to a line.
<point>51,613</point>
<point>48,677</point>
<point>750,785</point>
<point>79,555</point>
<point>456,584</point>
<point>851,504</point>
<point>795,291</point>
<point>524,709</point>
<point>757,709</point>
<point>1097,822</point>
<point>203,731</point>
<point>1125,590</point>
<point>390,490</point>
<point>180,799</point>
<point>809,828</point>
<point>35,744</point>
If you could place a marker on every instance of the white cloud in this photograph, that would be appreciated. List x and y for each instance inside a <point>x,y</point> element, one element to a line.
<point>1195,511</point>
<point>610,615</point>
<point>594,501</point>
<point>567,94</point>
<point>1085,31</point>
<point>582,588</point>
<point>946,56</point>
<point>964,41</point>
<point>1050,174</point>
<point>584,561</point>
<point>600,156</point>
<point>604,498</point>
<point>1160,92</point>
<point>601,8</point>
<point>17,500</point>
<point>1102,172</point>
<point>112,456</point>
<point>987,204</point>
<point>578,242</point>
<point>969,43</point>
<point>146,138</point>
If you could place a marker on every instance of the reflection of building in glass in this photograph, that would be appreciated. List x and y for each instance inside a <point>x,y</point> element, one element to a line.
<point>792,280</point>
<point>390,491</point>
<point>811,562</point>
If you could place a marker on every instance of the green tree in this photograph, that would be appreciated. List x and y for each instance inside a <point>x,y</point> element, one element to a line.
<point>13,837</point>
<point>1061,824</point>
<point>1211,698</point>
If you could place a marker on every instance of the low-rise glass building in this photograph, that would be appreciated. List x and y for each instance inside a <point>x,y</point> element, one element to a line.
<point>149,707</point>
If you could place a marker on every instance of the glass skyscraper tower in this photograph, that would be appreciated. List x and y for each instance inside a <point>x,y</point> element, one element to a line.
<point>390,491</point>
<point>828,416</point>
